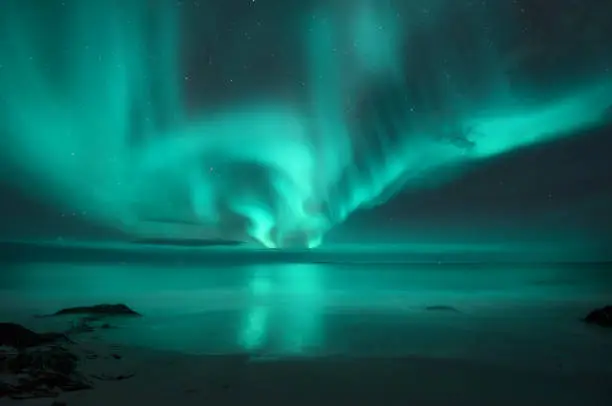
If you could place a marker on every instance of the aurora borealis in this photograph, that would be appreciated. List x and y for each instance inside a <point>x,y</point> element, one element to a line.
<point>101,111</point>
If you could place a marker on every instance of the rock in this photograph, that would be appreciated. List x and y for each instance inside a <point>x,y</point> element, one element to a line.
<point>89,324</point>
<point>16,336</point>
<point>120,377</point>
<point>35,365</point>
<point>601,317</point>
<point>42,372</point>
<point>99,310</point>
<point>55,359</point>
<point>82,325</point>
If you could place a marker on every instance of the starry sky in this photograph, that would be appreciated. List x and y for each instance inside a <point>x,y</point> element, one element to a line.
<point>550,193</point>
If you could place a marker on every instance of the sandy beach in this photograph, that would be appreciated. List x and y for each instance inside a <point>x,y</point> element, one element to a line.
<point>165,378</point>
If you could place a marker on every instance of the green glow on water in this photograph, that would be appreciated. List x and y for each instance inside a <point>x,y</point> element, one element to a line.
<point>92,117</point>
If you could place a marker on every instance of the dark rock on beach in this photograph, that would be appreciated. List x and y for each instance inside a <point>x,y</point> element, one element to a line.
<point>36,365</point>
<point>601,317</point>
<point>17,336</point>
<point>41,372</point>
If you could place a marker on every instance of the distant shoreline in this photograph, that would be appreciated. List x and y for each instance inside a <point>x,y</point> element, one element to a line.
<point>194,251</point>
<point>186,242</point>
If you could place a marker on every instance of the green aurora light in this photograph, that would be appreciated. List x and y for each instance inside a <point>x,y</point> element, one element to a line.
<point>92,116</point>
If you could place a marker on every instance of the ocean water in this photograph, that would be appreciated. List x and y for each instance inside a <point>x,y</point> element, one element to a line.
<point>526,315</point>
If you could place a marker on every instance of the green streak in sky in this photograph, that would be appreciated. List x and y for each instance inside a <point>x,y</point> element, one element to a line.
<point>92,117</point>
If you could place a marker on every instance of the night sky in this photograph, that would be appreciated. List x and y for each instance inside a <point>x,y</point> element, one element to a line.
<point>551,193</point>
<point>539,194</point>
